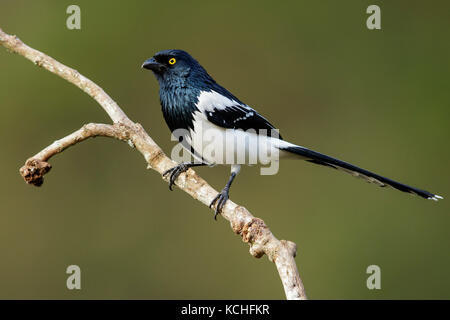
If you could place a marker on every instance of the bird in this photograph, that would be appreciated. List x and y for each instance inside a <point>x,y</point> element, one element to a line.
<point>197,108</point>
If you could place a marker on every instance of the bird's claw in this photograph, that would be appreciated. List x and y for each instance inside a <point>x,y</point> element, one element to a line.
<point>174,173</point>
<point>220,201</point>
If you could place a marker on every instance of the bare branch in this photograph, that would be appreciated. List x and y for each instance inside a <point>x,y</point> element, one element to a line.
<point>252,230</point>
<point>37,166</point>
<point>40,59</point>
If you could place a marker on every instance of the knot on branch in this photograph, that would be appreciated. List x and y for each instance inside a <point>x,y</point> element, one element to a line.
<point>253,231</point>
<point>39,62</point>
<point>290,246</point>
<point>34,170</point>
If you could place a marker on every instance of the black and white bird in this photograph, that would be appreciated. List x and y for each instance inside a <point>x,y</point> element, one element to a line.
<point>204,115</point>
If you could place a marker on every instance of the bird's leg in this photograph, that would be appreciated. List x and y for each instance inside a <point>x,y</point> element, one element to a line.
<point>222,196</point>
<point>179,169</point>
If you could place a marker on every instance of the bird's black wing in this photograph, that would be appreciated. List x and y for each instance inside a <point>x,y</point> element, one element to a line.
<point>241,117</point>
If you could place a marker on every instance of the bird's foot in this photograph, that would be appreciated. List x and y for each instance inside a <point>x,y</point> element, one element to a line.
<point>175,172</point>
<point>220,201</point>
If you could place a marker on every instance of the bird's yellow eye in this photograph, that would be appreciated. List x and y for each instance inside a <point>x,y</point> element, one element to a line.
<point>172,61</point>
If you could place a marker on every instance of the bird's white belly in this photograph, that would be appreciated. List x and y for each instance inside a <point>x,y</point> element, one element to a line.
<point>218,145</point>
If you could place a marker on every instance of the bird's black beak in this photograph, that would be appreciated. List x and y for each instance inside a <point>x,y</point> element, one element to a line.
<point>152,64</point>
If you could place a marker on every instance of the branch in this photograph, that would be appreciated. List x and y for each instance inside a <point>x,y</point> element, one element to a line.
<point>37,166</point>
<point>252,230</point>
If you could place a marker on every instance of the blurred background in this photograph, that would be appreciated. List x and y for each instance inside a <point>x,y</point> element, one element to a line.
<point>378,99</point>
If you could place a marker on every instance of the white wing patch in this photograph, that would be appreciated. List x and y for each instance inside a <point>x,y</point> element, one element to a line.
<point>210,100</point>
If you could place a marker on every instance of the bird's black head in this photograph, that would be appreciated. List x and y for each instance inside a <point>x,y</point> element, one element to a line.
<point>174,66</point>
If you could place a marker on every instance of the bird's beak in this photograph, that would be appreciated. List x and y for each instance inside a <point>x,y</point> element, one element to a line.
<point>152,64</point>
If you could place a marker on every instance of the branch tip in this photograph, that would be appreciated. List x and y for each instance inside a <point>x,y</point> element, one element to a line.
<point>34,170</point>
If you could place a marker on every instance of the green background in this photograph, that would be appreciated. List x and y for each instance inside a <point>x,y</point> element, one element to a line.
<point>378,99</point>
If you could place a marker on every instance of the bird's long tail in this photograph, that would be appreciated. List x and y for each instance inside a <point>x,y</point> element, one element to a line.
<point>318,158</point>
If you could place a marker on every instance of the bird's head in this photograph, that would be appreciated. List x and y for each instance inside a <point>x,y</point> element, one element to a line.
<point>174,65</point>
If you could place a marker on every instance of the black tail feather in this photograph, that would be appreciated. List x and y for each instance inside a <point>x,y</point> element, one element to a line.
<point>319,158</point>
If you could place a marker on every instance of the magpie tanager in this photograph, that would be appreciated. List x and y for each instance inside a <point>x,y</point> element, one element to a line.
<point>203,116</point>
